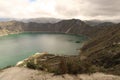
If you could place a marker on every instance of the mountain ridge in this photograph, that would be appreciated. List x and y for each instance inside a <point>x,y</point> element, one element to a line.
<point>77,26</point>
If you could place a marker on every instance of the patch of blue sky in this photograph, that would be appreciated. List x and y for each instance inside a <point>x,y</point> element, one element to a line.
<point>32,0</point>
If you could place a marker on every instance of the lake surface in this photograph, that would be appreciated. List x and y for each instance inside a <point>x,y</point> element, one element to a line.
<point>16,47</point>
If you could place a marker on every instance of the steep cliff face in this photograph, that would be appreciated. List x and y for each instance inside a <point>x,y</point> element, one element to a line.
<point>72,26</point>
<point>65,26</point>
<point>40,27</point>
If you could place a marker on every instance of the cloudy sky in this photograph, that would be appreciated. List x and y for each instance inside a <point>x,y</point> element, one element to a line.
<point>82,9</point>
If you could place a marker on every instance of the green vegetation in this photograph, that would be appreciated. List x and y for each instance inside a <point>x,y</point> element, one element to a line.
<point>62,65</point>
<point>77,42</point>
<point>72,66</point>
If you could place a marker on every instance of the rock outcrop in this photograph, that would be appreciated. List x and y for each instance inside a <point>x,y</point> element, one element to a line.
<point>34,59</point>
<point>48,62</point>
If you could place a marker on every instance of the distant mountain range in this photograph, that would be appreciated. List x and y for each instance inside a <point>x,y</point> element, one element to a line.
<point>72,26</point>
<point>6,19</point>
<point>97,22</point>
<point>41,20</point>
<point>52,20</point>
<point>37,20</point>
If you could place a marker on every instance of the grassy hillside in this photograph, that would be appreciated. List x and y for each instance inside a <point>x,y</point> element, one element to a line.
<point>104,50</point>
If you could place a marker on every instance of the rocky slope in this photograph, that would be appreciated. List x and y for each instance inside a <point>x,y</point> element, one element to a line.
<point>104,50</point>
<point>10,27</point>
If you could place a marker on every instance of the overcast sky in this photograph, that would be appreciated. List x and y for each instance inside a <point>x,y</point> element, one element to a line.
<point>82,9</point>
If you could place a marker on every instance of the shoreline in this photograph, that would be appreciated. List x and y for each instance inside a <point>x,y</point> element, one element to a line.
<point>6,34</point>
<point>9,33</point>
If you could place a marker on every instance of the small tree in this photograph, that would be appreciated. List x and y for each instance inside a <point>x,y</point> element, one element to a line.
<point>63,66</point>
<point>31,65</point>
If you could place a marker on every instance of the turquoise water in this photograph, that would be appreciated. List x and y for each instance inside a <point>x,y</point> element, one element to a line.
<point>16,47</point>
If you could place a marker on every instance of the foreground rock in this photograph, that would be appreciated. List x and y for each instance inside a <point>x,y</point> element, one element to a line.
<point>41,56</point>
<point>52,63</point>
<point>16,73</point>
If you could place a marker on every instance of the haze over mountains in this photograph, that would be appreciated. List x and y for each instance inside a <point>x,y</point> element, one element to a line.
<point>53,20</point>
<point>37,20</point>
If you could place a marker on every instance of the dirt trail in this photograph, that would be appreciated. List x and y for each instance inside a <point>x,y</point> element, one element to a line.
<point>16,73</point>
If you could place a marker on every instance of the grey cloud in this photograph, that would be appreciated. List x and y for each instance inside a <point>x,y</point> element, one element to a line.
<point>105,7</point>
<point>67,11</point>
<point>86,9</point>
<point>91,8</point>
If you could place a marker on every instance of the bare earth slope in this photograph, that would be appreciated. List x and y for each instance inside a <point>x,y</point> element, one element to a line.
<point>16,73</point>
